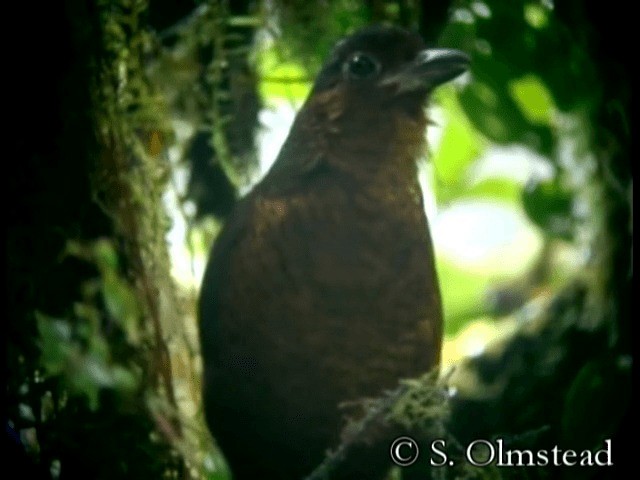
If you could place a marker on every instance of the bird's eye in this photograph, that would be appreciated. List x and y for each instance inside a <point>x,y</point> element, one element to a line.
<point>362,66</point>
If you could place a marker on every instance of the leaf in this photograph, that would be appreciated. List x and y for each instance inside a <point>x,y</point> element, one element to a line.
<point>533,98</point>
<point>55,342</point>
<point>105,255</point>
<point>488,105</point>
<point>282,79</point>
<point>501,189</point>
<point>460,143</point>
<point>596,402</point>
<point>463,294</point>
<point>124,379</point>
<point>549,206</point>
<point>121,303</point>
<point>494,112</point>
<point>536,15</point>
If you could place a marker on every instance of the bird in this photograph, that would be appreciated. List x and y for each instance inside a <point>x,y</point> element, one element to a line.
<point>321,288</point>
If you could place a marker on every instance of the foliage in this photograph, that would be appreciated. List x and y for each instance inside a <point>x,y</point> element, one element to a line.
<point>103,363</point>
<point>78,350</point>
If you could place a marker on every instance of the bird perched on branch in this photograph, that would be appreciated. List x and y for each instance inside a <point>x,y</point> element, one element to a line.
<point>321,288</point>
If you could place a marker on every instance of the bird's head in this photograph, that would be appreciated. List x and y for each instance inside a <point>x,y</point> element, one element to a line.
<point>370,95</point>
<point>367,103</point>
<point>382,70</point>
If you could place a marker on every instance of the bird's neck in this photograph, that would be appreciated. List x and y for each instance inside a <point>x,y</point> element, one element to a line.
<point>375,148</point>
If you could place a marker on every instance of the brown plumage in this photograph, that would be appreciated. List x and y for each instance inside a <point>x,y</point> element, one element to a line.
<point>321,288</point>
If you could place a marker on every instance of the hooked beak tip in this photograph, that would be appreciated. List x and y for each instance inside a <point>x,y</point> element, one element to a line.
<point>430,68</point>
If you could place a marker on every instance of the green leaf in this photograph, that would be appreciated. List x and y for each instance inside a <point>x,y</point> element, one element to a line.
<point>460,143</point>
<point>96,371</point>
<point>123,378</point>
<point>501,189</point>
<point>105,255</point>
<point>245,21</point>
<point>488,103</point>
<point>595,402</point>
<point>55,343</point>
<point>533,98</point>
<point>536,15</point>
<point>549,206</point>
<point>282,79</point>
<point>490,113</point>
<point>463,293</point>
<point>121,304</point>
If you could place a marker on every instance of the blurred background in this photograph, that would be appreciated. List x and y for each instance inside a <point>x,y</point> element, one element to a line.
<point>152,118</point>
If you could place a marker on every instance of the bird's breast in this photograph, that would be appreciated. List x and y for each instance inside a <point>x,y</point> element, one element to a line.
<point>341,278</point>
<point>329,295</point>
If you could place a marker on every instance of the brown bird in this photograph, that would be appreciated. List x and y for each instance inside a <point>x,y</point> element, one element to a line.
<point>321,287</point>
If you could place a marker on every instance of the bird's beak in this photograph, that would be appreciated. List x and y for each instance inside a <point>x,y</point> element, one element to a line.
<point>430,68</point>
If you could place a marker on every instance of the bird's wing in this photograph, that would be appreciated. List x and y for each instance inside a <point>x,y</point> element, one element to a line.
<point>290,173</point>
<point>296,167</point>
<point>216,276</point>
<point>302,158</point>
